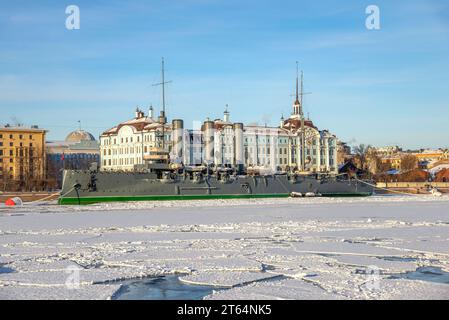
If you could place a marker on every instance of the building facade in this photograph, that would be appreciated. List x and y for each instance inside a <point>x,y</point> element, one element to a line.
<point>124,146</point>
<point>222,143</point>
<point>431,155</point>
<point>78,151</point>
<point>22,158</point>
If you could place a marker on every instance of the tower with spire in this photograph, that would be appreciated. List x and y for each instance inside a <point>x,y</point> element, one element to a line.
<point>226,114</point>
<point>297,104</point>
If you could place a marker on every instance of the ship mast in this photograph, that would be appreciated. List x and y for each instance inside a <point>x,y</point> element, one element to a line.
<point>299,100</point>
<point>163,106</point>
<point>303,131</point>
<point>162,118</point>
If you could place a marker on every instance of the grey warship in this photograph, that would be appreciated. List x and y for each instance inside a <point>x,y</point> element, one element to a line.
<point>161,175</point>
<point>87,187</point>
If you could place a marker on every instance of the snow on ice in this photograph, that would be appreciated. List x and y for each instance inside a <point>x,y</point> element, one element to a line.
<point>314,248</point>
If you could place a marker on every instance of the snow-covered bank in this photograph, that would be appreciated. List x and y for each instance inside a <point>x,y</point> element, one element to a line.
<point>314,248</point>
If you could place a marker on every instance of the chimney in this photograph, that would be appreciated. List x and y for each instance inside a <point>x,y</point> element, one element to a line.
<point>139,113</point>
<point>162,118</point>
<point>150,112</point>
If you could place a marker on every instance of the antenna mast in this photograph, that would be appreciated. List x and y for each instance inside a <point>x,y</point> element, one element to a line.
<point>163,106</point>
<point>163,88</point>
<point>297,98</point>
<point>162,117</point>
<point>302,92</point>
<point>303,129</point>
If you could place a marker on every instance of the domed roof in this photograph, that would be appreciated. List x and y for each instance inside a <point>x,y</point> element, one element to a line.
<point>79,135</point>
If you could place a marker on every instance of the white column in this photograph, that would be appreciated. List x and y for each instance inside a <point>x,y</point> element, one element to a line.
<point>273,151</point>
<point>218,148</point>
<point>209,141</point>
<point>256,150</point>
<point>238,146</point>
<point>298,152</point>
<point>185,147</point>
<point>334,154</point>
<point>289,150</point>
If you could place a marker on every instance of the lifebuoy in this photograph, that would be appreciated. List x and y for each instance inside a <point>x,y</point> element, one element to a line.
<point>11,202</point>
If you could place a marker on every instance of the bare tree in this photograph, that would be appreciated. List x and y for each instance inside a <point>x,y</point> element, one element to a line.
<point>361,154</point>
<point>384,167</point>
<point>31,166</point>
<point>414,176</point>
<point>8,182</point>
<point>52,174</point>
<point>4,177</point>
<point>409,162</point>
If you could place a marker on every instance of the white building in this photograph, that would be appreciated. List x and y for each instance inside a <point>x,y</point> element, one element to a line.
<point>262,148</point>
<point>124,146</point>
<point>296,145</point>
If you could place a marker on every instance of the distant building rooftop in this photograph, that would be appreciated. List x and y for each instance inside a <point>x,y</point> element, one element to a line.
<point>33,128</point>
<point>78,141</point>
<point>79,135</point>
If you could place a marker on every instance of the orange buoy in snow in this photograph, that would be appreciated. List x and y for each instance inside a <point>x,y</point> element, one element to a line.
<point>16,201</point>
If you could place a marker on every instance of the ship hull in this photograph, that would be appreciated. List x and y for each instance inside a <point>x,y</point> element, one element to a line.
<point>135,186</point>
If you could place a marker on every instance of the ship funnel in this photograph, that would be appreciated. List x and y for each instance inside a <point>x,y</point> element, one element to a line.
<point>208,135</point>
<point>238,153</point>
<point>177,139</point>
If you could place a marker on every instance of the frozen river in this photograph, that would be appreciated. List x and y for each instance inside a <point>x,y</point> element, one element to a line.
<point>388,247</point>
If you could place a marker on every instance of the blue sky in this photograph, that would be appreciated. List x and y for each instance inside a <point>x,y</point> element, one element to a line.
<point>379,87</point>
